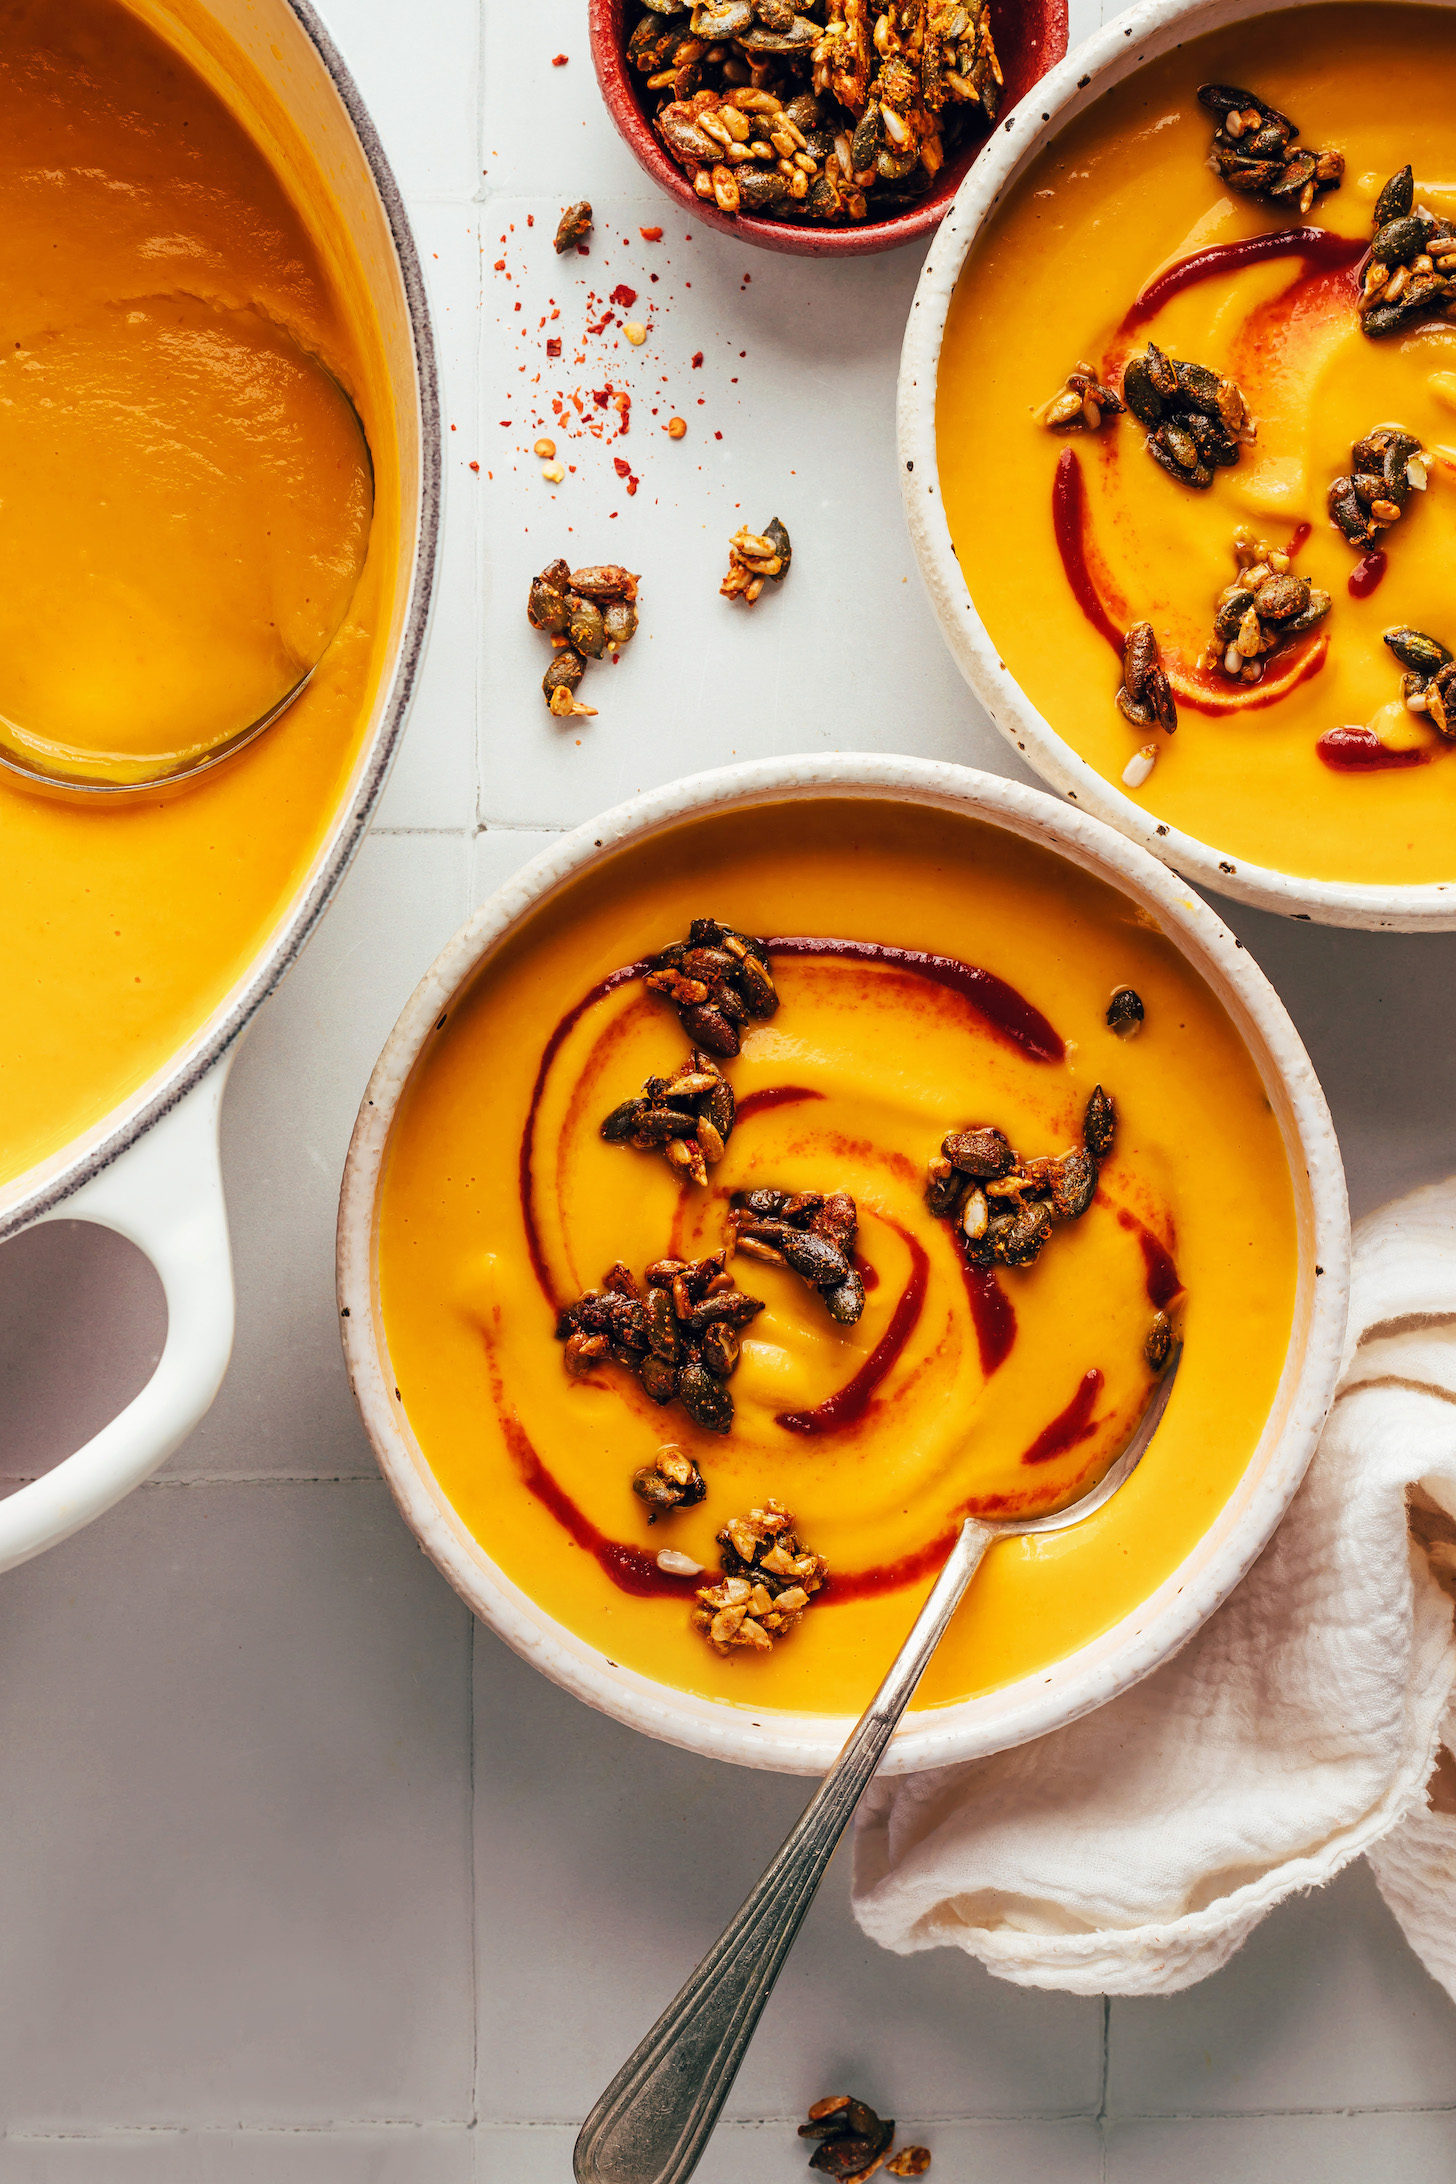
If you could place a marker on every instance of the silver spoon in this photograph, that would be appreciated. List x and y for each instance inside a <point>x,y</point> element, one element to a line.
<point>654,2121</point>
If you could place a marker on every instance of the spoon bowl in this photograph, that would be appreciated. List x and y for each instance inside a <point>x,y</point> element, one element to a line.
<point>189,495</point>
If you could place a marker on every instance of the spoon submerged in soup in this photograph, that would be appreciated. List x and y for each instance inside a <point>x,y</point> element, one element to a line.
<point>185,504</point>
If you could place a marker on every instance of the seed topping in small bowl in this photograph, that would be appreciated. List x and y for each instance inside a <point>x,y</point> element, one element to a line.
<point>820,111</point>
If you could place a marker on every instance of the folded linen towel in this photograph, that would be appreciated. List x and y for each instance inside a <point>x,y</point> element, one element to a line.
<point>1303,1725</point>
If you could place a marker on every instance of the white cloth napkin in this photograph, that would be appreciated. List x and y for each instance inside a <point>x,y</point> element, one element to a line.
<point>1303,1725</point>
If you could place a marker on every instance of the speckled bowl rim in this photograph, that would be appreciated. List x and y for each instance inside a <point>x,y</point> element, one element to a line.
<point>805,1743</point>
<point>1110,55</point>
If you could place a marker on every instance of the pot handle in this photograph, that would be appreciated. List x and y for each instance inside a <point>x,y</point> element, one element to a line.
<point>163,1194</point>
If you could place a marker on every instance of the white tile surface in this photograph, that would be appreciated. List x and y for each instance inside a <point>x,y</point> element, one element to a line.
<point>235,1809</point>
<point>606,1865</point>
<point>410,2156</point>
<point>1337,2149</point>
<point>419,71</point>
<point>284,1898</point>
<point>1374,2029</point>
<point>1015,2153</point>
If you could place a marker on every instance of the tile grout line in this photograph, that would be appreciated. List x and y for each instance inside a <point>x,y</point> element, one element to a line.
<point>401,2126</point>
<point>1102,2097</point>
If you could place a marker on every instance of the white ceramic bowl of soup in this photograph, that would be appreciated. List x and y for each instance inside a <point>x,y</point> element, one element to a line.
<point>1113,54</point>
<point>1174,1609</point>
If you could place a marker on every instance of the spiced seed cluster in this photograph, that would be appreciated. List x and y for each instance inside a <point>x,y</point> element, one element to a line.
<point>1145,698</point>
<point>718,980</point>
<point>687,1117</point>
<point>1253,150</point>
<point>769,1578</point>
<point>1266,605</point>
<point>585,612</point>
<point>1004,1208</point>
<point>756,558</point>
<point>574,227</point>
<point>677,1330</point>
<point>853,2142</point>
<point>811,1233</point>
<point>671,1481</point>
<point>1429,683</point>
<point>830,111</point>
<point>1197,420</point>
<point>1081,403</point>
<point>1411,271</point>
<point>1386,467</point>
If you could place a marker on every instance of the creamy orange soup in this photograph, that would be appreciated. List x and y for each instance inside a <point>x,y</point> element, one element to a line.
<point>1121,196</point>
<point>151,255</point>
<point>500,1201</point>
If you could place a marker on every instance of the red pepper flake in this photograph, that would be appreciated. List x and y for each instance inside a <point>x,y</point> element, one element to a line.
<point>559,60</point>
<point>602,395</point>
<point>475,467</point>
<point>698,361</point>
<point>624,295</point>
<point>500,265</point>
<point>717,435</point>
<point>622,467</point>
<point>553,348</point>
<point>650,234</point>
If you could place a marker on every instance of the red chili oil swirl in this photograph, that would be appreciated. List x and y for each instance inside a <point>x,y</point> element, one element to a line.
<point>1072,1425</point>
<point>849,1404</point>
<point>772,1095</point>
<point>1163,1279</point>
<point>1000,1006</point>
<point>573,1016</point>
<point>631,1569</point>
<point>1366,574</point>
<point>1069,521</point>
<point>1321,250</point>
<point>1360,750</point>
<point>993,1315</point>
<point>842,1586</point>
<point>1193,687</point>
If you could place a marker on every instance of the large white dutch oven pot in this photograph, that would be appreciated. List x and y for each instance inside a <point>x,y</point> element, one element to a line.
<point>1115,52</point>
<point>150,1169</point>
<point>805,1743</point>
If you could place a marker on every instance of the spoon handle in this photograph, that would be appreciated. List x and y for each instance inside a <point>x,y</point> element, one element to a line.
<point>657,2115</point>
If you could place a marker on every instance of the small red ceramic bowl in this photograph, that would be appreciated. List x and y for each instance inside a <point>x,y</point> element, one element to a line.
<point>1031,37</point>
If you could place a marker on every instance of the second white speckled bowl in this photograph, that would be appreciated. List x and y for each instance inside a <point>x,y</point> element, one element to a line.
<point>806,1743</point>
<point>1112,54</point>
